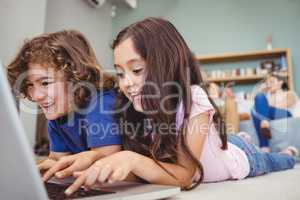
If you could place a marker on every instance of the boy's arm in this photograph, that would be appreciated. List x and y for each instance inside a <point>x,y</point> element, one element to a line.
<point>105,151</point>
<point>66,165</point>
<point>47,163</point>
<point>57,155</point>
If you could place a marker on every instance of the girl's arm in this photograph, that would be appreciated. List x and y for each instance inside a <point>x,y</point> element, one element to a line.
<point>291,98</point>
<point>184,170</point>
<point>119,166</point>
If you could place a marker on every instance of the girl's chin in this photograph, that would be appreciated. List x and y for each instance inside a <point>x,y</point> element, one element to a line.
<point>138,108</point>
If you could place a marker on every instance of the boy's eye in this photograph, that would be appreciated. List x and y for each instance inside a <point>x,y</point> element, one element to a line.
<point>28,88</point>
<point>46,83</point>
<point>120,75</point>
<point>29,85</point>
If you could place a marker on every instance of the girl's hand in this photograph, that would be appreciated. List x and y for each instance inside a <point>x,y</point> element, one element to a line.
<point>109,169</point>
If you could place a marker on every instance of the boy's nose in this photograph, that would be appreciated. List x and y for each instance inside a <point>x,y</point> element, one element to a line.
<point>37,95</point>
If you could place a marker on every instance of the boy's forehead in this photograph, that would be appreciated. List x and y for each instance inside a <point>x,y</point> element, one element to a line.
<point>38,71</point>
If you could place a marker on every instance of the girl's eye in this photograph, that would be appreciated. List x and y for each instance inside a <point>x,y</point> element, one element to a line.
<point>137,71</point>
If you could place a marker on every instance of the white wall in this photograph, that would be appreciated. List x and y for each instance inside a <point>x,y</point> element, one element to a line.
<point>94,23</point>
<point>20,19</point>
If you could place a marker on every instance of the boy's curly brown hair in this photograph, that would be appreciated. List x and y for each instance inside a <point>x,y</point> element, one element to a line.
<point>67,51</point>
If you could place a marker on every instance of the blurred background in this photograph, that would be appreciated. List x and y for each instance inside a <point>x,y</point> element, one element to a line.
<point>210,27</point>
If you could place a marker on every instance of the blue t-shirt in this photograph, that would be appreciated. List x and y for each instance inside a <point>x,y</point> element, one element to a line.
<point>91,127</point>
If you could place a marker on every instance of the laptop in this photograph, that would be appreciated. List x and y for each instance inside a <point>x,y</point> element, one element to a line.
<point>20,178</point>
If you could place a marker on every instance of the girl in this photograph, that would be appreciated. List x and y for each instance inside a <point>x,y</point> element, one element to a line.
<point>172,132</point>
<point>273,103</point>
<point>59,71</point>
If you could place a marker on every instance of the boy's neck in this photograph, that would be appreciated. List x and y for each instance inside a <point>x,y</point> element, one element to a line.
<point>62,120</point>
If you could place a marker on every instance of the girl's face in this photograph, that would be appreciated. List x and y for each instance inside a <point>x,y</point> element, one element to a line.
<point>49,90</point>
<point>131,69</point>
<point>273,84</point>
<point>214,91</point>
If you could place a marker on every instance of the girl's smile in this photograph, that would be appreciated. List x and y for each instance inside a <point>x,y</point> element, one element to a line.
<point>130,71</point>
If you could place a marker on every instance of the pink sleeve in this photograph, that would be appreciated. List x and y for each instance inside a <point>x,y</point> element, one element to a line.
<point>200,102</point>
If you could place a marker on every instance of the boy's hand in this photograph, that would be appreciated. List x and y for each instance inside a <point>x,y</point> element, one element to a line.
<point>46,164</point>
<point>66,165</point>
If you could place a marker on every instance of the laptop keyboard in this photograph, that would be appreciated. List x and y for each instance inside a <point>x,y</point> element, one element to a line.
<point>56,192</point>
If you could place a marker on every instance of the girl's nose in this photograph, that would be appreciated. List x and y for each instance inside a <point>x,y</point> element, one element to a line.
<point>128,82</point>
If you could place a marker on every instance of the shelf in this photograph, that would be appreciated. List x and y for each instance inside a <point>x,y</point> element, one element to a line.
<point>231,57</point>
<point>238,79</point>
<point>248,56</point>
<point>241,79</point>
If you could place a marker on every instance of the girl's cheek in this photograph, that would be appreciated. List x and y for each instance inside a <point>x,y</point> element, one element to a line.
<point>122,88</point>
<point>142,82</point>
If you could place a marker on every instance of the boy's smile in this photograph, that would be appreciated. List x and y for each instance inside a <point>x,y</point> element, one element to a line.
<point>49,90</point>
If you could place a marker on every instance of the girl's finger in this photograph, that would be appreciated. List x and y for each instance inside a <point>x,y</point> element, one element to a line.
<point>92,175</point>
<point>124,176</point>
<point>77,173</point>
<point>76,185</point>
<point>115,176</point>
<point>104,173</point>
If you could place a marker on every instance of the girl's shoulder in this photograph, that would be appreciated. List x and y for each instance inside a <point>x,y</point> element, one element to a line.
<point>200,102</point>
<point>198,91</point>
<point>199,96</point>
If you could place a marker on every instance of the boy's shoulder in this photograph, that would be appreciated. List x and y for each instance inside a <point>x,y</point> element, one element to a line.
<point>102,101</point>
<point>103,95</point>
<point>112,93</point>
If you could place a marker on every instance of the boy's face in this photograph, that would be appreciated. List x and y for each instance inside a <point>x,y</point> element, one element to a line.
<point>47,87</point>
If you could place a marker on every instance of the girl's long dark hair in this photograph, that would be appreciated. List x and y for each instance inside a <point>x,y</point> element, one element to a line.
<point>168,60</point>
